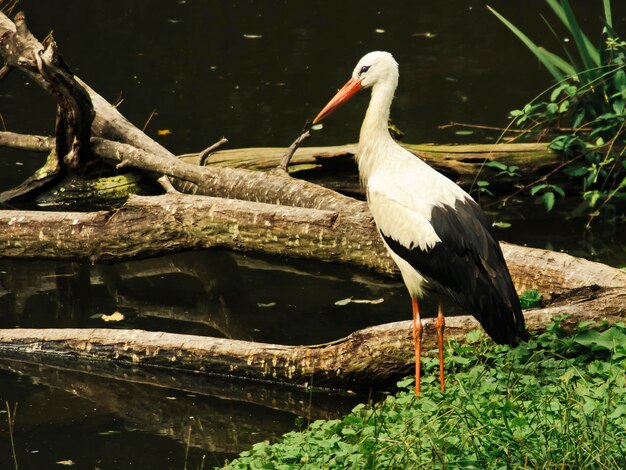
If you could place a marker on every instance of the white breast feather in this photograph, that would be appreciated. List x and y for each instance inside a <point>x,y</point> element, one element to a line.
<point>411,228</point>
<point>401,195</point>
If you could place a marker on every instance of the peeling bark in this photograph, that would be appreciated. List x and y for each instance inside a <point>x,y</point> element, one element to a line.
<point>187,222</point>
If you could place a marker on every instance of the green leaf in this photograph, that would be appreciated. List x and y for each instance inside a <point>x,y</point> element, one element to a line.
<point>563,65</point>
<point>575,170</point>
<point>473,336</point>
<point>406,382</point>
<point>578,120</point>
<point>548,200</point>
<point>558,190</point>
<point>530,299</point>
<point>496,164</point>
<point>557,91</point>
<point>592,197</point>
<point>539,53</point>
<point>619,80</point>
<point>535,189</point>
<point>500,224</point>
<point>608,17</point>
<point>588,53</point>
<point>609,339</point>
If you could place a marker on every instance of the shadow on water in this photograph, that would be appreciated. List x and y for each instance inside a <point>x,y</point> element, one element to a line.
<point>212,293</point>
<point>254,72</point>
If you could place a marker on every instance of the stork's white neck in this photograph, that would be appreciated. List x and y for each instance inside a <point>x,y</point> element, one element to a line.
<point>375,137</point>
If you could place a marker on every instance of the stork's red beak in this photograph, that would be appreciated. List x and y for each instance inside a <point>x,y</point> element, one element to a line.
<point>343,95</point>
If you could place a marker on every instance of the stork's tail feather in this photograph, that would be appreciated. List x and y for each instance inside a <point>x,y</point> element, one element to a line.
<point>503,323</point>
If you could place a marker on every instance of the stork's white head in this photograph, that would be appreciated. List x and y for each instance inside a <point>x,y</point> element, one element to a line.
<point>374,68</point>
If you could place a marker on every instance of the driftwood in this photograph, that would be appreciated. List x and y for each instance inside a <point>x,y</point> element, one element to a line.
<point>370,355</point>
<point>462,163</point>
<point>192,222</point>
<point>203,222</point>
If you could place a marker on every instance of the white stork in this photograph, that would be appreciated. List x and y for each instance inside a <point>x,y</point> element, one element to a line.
<point>438,236</point>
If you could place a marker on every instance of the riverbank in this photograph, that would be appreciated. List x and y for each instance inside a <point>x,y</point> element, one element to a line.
<point>555,402</point>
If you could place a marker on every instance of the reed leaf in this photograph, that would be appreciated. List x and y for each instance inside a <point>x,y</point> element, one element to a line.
<point>540,53</point>
<point>608,17</point>
<point>562,64</point>
<point>588,52</point>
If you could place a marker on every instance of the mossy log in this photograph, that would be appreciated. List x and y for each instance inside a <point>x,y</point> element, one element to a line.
<point>94,193</point>
<point>273,188</point>
<point>460,162</point>
<point>367,356</point>
<point>187,222</point>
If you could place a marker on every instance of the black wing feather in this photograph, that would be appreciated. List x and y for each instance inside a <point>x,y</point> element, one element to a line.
<point>468,266</point>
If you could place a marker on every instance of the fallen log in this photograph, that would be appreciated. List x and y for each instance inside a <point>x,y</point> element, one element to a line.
<point>367,356</point>
<point>460,162</point>
<point>274,188</point>
<point>188,222</point>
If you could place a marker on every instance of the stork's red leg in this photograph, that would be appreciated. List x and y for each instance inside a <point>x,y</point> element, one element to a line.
<point>417,342</point>
<point>440,324</point>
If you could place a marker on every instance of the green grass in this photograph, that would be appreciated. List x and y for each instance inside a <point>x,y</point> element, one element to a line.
<point>557,401</point>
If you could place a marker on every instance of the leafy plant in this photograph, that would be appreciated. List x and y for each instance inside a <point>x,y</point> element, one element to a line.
<point>586,108</point>
<point>530,298</point>
<point>482,187</point>
<point>503,169</point>
<point>556,401</point>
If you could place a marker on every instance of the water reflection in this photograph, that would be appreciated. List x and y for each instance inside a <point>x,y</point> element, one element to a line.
<point>214,293</point>
<point>213,417</point>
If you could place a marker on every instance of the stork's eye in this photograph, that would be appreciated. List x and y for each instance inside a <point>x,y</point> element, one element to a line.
<point>364,69</point>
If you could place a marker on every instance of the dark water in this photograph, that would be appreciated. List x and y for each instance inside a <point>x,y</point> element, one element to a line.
<point>202,67</point>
